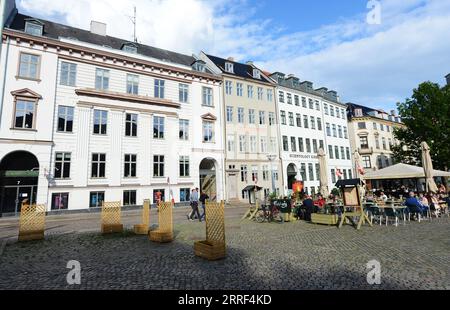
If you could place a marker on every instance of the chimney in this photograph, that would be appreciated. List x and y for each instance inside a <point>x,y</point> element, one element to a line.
<point>448,79</point>
<point>393,113</point>
<point>250,63</point>
<point>98,28</point>
<point>230,59</point>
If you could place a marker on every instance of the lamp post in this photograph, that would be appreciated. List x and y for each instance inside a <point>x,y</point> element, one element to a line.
<point>271,158</point>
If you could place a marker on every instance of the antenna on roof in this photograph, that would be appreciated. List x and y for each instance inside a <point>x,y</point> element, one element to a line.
<point>134,21</point>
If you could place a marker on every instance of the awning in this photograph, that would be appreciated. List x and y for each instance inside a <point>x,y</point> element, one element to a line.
<point>251,188</point>
<point>402,171</point>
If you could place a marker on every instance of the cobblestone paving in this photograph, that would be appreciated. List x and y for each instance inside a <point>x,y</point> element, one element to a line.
<point>260,256</point>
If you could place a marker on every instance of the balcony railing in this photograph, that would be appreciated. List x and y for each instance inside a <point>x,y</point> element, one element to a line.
<point>365,149</point>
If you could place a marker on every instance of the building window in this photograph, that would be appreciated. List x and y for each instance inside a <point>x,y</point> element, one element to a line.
<point>244,173</point>
<point>283,118</point>
<point>29,66</point>
<point>229,87</point>
<point>183,93</point>
<point>231,143</point>
<point>337,112</point>
<point>208,131</point>
<point>250,91</point>
<point>317,105</point>
<point>251,116</point>
<point>291,119</point>
<point>68,74</point>
<point>33,28</point>
<point>311,104</point>
<point>345,133</point>
<point>159,192</point>
<point>313,122</point>
<point>158,127</point>
<point>308,145</point>
<point>303,172</point>
<point>263,145</point>
<point>262,117</point>
<point>336,152</point>
<point>289,98</point>
<point>242,144</point>
<point>361,125</point>
<point>96,199</point>
<point>315,150</point>
<point>347,151</point>
<point>254,173</point>
<point>328,129</point>
<point>331,110</point>
<point>304,102</point>
<point>273,144</point>
<point>333,176</point>
<point>65,119</point>
<point>269,95</point>
<point>239,89</point>
<point>293,144</point>
<point>256,74</point>
<point>131,125</point>
<point>185,194</point>
<point>343,113</point>
<point>253,144</point>
<point>241,115</point>
<point>184,129</point>
<point>366,162</point>
<point>229,67</point>
<point>98,168</point>
<point>101,79</point>
<point>305,121</point>
<point>158,166</point>
<point>159,88</point>
<point>384,143</point>
<point>260,93</point>
<point>207,96</point>
<point>311,171</point>
<point>301,147</point>
<point>132,84</point>
<point>319,124</point>
<point>271,118</point>
<point>24,114</point>
<point>358,113</point>
<point>325,108</point>
<point>265,170</point>
<point>60,201</point>
<point>377,143</point>
<point>321,145</point>
<point>364,142</point>
<point>340,131</point>
<point>375,127</point>
<point>342,152</point>
<point>330,152</point>
<point>298,118</point>
<point>296,100</point>
<point>334,130</point>
<point>281,96</point>
<point>184,166</point>
<point>130,48</point>
<point>100,122</point>
<point>285,144</point>
<point>62,165</point>
<point>381,127</point>
<point>130,166</point>
<point>129,198</point>
<point>229,114</point>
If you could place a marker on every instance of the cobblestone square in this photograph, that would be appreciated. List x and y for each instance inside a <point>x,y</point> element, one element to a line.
<point>294,255</point>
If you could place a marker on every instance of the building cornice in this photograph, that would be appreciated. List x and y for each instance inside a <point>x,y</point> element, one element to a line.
<point>124,108</point>
<point>83,50</point>
<point>89,92</point>
<point>371,118</point>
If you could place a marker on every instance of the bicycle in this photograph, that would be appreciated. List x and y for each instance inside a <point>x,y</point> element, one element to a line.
<point>271,214</point>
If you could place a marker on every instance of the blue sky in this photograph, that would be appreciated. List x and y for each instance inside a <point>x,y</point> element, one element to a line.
<point>328,42</point>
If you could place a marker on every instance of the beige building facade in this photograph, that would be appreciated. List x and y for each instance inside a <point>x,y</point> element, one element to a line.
<point>251,130</point>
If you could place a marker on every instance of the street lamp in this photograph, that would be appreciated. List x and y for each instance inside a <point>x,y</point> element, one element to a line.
<point>272,158</point>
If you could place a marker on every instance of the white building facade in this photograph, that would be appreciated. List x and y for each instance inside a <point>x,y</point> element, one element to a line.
<point>309,120</point>
<point>88,118</point>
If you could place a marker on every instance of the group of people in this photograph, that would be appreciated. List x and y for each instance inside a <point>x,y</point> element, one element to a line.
<point>426,202</point>
<point>194,200</point>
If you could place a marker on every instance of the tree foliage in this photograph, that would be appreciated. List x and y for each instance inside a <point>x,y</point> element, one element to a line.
<point>426,116</point>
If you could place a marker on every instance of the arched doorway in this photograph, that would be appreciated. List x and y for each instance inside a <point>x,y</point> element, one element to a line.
<point>19,172</point>
<point>291,175</point>
<point>208,178</point>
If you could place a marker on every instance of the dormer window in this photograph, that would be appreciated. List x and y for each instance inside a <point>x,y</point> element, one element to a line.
<point>130,48</point>
<point>358,113</point>
<point>199,66</point>
<point>229,67</point>
<point>34,28</point>
<point>256,74</point>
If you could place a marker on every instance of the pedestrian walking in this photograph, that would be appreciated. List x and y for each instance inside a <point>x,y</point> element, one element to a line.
<point>203,198</point>
<point>194,206</point>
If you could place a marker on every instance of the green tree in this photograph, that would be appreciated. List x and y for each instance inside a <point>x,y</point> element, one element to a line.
<point>426,116</point>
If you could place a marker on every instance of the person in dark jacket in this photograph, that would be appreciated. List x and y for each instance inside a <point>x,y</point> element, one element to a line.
<point>203,198</point>
<point>308,203</point>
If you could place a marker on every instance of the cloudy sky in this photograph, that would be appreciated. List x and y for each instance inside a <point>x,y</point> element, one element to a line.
<point>328,42</point>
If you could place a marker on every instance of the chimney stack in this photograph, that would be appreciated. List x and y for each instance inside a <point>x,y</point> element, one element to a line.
<point>250,63</point>
<point>230,59</point>
<point>98,28</point>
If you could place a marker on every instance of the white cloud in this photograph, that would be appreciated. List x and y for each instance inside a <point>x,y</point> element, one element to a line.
<point>376,65</point>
